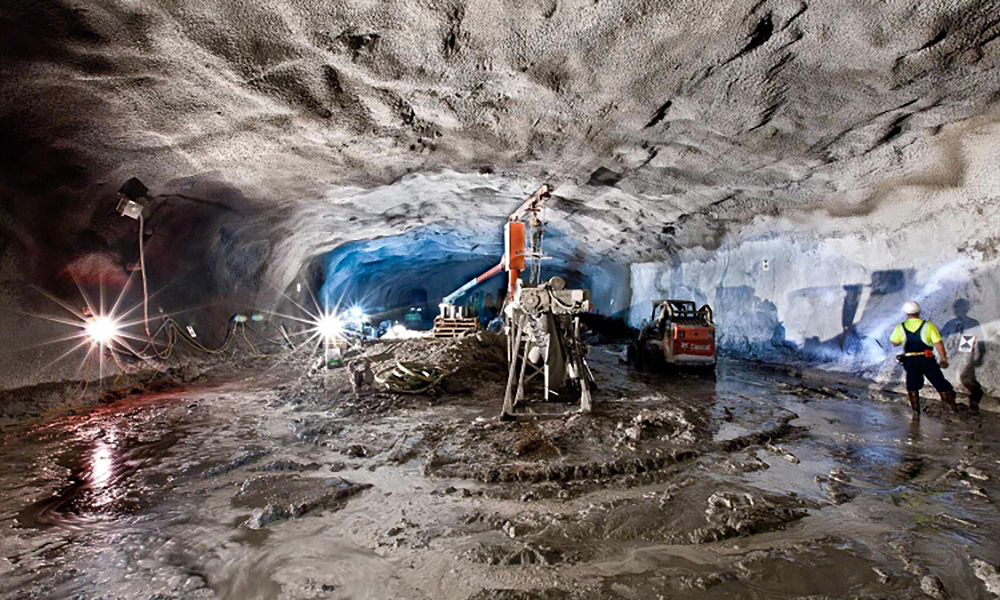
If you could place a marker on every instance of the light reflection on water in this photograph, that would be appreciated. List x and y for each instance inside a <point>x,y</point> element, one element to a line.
<point>298,559</point>
<point>105,478</point>
<point>101,468</point>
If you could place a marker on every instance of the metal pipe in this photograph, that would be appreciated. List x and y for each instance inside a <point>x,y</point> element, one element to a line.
<point>450,298</point>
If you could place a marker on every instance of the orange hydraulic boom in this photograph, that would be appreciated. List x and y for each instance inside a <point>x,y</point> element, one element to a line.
<point>513,260</point>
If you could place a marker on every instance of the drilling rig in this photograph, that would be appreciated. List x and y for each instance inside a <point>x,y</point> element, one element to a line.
<point>541,319</point>
<point>543,339</point>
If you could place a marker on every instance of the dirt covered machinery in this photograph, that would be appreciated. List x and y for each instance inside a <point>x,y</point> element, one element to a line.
<point>543,341</point>
<point>541,319</point>
<point>677,334</point>
<point>455,320</point>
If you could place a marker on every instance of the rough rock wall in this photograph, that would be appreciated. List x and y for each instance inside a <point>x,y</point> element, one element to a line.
<point>439,253</point>
<point>666,124</point>
<point>755,105</point>
<point>828,289</point>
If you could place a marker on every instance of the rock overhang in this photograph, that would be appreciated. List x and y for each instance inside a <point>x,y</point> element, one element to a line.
<point>670,131</point>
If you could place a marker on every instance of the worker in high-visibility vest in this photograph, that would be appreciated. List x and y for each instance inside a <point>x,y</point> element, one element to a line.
<point>920,338</point>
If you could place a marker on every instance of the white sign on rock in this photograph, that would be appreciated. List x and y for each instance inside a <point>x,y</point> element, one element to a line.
<point>967,344</point>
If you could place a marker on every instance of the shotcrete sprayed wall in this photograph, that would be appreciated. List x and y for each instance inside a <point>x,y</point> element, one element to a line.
<point>415,269</point>
<point>377,118</point>
<point>827,286</point>
<point>784,295</point>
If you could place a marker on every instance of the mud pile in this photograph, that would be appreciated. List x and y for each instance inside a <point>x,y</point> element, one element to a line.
<point>471,361</point>
<point>131,378</point>
<point>284,482</point>
<point>474,366</point>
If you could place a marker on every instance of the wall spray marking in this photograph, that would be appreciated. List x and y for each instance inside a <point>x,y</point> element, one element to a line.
<point>959,269</point>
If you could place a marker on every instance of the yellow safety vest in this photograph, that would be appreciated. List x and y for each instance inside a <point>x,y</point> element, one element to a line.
<point>930,335</point>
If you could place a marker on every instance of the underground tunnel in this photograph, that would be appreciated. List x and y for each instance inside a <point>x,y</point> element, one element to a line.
<point>413,272</point>
<point>571,299</point>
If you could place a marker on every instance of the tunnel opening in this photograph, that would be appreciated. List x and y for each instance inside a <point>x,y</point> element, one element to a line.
<point>402,279</point>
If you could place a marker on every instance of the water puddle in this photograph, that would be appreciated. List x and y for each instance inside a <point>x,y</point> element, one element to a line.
<point>103,459</point>
<point>777,496</point>
<point>730,431</point>
<point>103,483</point>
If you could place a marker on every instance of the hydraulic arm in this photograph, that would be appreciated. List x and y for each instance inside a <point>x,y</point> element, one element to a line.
<point>513,260</point>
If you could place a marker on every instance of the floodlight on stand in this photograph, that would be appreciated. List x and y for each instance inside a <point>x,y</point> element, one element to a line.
<point>130,209</point>
<point>132,199</point>
<point>329,327</point>
<point>102,330</point>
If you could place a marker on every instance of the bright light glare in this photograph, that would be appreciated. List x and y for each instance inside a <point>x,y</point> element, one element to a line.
<point>356,313</point>
<point>399,332</point>
<point>102,330</point>
<point>329,327</point>
<point>101,465</point>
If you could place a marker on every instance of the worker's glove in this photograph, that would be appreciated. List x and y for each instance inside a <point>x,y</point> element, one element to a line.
<point>944,363</point>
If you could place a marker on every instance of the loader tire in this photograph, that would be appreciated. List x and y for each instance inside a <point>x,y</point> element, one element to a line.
<point>632,355</point>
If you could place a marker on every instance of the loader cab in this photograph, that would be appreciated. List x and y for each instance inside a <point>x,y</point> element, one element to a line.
<point>678,334</point>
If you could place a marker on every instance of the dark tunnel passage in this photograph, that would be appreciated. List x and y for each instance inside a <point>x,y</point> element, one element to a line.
<point>403,278</point>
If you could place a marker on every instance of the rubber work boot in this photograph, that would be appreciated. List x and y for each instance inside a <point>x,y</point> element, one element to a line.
<point>914,401</point>
<point>949,400</point>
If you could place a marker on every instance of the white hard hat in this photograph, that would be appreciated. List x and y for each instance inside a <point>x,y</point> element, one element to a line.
<point>911,308</point>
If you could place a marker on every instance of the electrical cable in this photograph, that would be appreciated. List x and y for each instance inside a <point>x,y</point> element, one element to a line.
<point>151,345</point>
<point>560,303</point>
<point>145,288</point>
<point>118,363</point>
<point>230,336</point>
<point>410,378</point>
<point>268,339</point>
<point>243,330</point>
<point>168,324</point>
<point>173,328</point>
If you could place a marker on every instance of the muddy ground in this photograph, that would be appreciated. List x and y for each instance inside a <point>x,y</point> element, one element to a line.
<point>277,481</point>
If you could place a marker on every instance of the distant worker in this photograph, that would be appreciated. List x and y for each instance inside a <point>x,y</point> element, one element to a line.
<point>919,339</point>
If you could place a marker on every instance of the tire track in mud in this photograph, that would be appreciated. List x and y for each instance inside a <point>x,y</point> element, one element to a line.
<point>657,493</point>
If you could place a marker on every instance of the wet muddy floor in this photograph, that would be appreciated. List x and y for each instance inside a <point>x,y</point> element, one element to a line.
<point>286,485</point>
